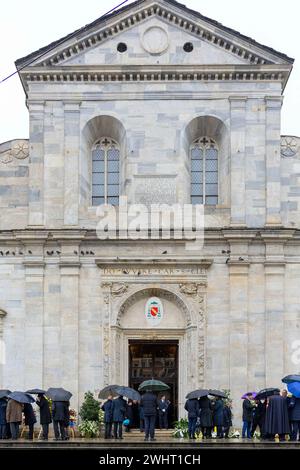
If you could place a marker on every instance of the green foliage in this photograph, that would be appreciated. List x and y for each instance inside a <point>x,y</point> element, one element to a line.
<point>181,428</point>
<point>89,410</point>
<point>89,429</point>
<point>101,416</point>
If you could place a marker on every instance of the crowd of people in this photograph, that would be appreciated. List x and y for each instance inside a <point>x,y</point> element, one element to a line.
<point>278,414</point>
<point>275,415</point>
<point>205,414</point>
<point>143,415</point>
<point>12,413</point>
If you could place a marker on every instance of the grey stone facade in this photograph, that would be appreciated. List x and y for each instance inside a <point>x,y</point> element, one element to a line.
<point>72,301</point>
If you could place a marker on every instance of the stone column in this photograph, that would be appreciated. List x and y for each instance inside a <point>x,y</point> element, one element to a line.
<point>238,341</point>
<point>71,163</point>
<point>237,144</point>
<point>70,328</point>
<point>2,346</point>
<point>34,323</point>
<point>36,166</point>
<point>273,196</point>
<point>274,307</point>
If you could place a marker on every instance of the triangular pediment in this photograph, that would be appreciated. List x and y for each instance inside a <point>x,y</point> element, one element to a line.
<point>96,43</point>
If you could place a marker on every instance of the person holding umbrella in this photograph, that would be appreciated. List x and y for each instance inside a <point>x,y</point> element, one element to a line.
<point>118,416</point>
<point>107,407</point>
<point>60,411</point>
<point>192,407</point>
<point>247,415</point>
<point>45,414</point>
<point>206,414</point>
<point>14,411</point>
<point>277,418</point>
<point>149,404</point>
<point>218,416</point>
<point>30,419</point>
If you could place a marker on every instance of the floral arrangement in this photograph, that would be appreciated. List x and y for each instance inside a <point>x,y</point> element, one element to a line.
<point>89,429</point>
<point>181,428</point>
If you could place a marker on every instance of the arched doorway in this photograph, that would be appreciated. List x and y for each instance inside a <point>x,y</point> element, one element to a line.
<point>167,352</point>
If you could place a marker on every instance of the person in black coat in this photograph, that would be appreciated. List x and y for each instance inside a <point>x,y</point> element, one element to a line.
<point>227,419</point>
<point>60,413</point>
<point>149,403</point>
<point>119,410</point>
<point>247,417</point>
<point>45,415</point>
<point>129,415</point>
<point>277,418</point>
<point>294,409</point>
<point>258,417</point>
<point>30,419</point>
<point>3,423</point>
<point>218,416</point>
<point>206,420</point>
<point>107,407</point>
<point>163,408</point>
<point>192,407</point>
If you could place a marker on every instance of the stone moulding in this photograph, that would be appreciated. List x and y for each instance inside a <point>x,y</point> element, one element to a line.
<point>96,74</point>
<point>174,16</point>
<point>14,150</point>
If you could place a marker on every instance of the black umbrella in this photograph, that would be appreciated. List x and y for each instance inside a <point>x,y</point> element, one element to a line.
<point>58,394</point>
<point>108,390</point>
<point>4,393</point>
<point>21,397</point>
<point>128,393</point>
<point>201,392</point>
<point>217,393</point>
<point>291,378</point>
<point>266,392</point>
<point>36,391</point>
<point>153,385</point>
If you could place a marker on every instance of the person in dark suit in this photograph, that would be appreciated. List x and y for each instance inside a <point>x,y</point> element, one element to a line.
<point>247,416</point>
<point>192,407</point>
<point>107,407</point>
<point>60,413</point>
<point>149,403</point>
<point>30,419</point>
<point>119,410</point>
<point>3,422</point>
<point>227,419</point>
<point>294,415</point>
<point>218,416</point>
<point>206,421</point>
<point>163,408</point>
<point>45,415</point>
<point>258,417</point>
<point>129,415</point>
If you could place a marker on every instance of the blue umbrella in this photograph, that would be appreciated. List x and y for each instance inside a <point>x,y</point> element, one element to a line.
<point>21,397</point>
<point>294,388</point>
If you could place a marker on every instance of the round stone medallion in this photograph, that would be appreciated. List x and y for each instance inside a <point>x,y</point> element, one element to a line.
<point>155,40</point>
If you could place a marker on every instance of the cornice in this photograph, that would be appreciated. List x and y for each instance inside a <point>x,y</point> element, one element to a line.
<point>156,73</point>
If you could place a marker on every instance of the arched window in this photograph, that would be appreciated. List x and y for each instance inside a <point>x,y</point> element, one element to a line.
<point>106,160</point>
<point>204,171</point>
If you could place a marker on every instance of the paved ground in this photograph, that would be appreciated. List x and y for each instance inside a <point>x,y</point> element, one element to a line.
<point>138,442</point>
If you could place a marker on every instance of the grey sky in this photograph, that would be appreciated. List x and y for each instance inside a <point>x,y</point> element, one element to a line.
<point>25,26</point>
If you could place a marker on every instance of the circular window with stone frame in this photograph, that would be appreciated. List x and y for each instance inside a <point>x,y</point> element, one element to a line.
<point>188,47</point>
<point>122,47</point>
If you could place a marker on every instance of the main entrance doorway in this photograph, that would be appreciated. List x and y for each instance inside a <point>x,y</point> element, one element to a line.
<point>157,360</point>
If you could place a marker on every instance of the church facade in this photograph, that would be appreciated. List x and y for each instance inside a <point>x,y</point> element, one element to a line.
<point>160,104</point>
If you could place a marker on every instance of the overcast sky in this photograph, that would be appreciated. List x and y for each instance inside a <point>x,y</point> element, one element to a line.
<point>25,26</point>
